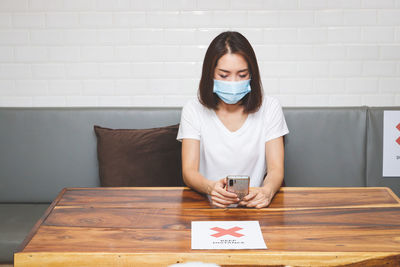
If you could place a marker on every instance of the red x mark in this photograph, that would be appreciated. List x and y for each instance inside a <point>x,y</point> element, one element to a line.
<point>398,139</point>
<point>231,231</point>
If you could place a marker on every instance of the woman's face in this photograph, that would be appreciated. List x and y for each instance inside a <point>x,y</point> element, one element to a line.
<point>232,68</point>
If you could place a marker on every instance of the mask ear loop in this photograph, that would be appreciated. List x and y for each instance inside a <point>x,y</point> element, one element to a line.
<point>250,84</point>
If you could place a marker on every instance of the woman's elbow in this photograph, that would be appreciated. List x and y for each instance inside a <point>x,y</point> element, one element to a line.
<point>186,174</point>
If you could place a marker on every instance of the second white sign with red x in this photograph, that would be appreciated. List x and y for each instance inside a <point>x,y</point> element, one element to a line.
<point>391,143</point>
<point>227,235</point>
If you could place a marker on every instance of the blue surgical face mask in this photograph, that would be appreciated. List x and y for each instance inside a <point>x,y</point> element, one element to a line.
<point>231,92</point>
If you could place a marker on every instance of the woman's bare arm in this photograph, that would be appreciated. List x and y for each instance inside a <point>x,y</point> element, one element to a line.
<point>190,167</point>
<point>274,153</point>
<point>261,197</point>
<point>193,178</point>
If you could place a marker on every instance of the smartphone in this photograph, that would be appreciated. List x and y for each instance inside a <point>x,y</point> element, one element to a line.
<point>238,184</point>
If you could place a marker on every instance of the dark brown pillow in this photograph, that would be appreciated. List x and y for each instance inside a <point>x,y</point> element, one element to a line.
<point>139,157</point>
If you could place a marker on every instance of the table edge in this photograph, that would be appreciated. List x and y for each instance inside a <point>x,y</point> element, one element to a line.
<point>35,228</point>
<point>389,190</point>
<point>226,257</point>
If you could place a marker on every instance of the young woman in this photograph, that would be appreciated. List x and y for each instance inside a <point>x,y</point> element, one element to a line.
<point>232,129</point>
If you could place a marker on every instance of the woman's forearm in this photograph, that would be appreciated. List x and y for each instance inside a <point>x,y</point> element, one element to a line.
<point>274,180</point>
<point>198,182</point>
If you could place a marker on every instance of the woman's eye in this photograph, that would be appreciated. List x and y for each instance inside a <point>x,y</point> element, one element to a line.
<point>243,76</point>
<point>223,76</point>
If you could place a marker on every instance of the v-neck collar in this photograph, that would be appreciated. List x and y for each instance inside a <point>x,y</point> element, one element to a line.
<point>225,129</point>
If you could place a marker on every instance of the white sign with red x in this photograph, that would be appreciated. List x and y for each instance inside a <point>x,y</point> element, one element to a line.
<point>391,143</point>
<point>227,235</point>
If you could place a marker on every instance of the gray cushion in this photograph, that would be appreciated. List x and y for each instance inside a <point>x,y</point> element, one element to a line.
<point>325,147</point>
<point>375,151</point>
<point>16,222</point>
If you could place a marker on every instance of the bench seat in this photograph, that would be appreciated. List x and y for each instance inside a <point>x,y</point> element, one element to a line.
<point>16,221</point>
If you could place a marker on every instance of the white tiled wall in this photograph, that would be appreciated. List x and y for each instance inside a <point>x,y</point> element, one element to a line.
<point>150,52</point>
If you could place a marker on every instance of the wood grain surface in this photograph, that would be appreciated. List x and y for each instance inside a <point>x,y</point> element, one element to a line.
<point>151,226</point>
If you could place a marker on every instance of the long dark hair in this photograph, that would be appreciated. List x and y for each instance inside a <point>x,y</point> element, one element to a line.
<point>234,43</point>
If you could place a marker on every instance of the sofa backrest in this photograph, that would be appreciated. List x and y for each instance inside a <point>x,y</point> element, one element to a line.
<point>46,149</point>
<point>325,146</point>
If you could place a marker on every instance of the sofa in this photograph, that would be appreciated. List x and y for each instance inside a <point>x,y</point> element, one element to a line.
<point>44,150</point>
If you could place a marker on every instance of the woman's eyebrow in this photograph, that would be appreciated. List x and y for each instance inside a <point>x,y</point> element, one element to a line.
<point>224,70</point>
<point>229,71</point>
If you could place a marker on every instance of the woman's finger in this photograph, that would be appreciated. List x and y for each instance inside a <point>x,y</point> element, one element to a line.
<point>243,203</point>
<point>256,202</point>
<point>221,200</point>
<point>250,195</point>
<point>263,205</point>
<point>219,205</point>
<point>220,188</point>
<point>226,194</point>
<point>217,194</point>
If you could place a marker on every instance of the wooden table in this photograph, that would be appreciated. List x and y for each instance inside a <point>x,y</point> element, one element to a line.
<point>138,226</point>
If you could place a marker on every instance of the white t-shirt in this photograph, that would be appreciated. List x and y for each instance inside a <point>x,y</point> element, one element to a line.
<point>223,152</point>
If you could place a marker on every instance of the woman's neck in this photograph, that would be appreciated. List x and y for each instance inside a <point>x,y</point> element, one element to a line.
<point>229,108</point>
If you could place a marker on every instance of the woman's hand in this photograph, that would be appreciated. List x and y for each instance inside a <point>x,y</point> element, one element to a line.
<point>258,197</point>
<point>219,196</point>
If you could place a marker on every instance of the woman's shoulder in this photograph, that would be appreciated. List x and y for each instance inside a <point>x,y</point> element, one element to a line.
<point>269,103</point>
<point>193,105</point>
<point>192,102</point>
<point>270,100</point>
<point>270,107</point>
